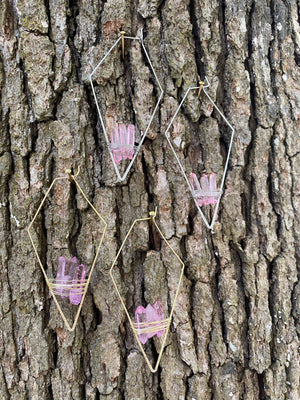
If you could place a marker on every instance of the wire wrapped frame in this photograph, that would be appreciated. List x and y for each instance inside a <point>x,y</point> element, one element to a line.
<point>165,324</point>
<point>202,89</point>
<point>54,287</point>
<point>122,39</point>
<point>57,287</point>
<point>151,327</point>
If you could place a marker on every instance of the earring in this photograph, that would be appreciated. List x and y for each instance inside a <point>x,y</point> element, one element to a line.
<point>72,277</point>
<point>204,192</point>
<point>123,138</point>
<point>150,322</point>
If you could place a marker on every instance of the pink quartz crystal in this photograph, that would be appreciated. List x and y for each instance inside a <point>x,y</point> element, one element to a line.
<point>130,141</point>
<point>122,142</point>
<point>206,191</point>
<point>63,276</point>
<point>70,279</point>
<point>115,145</point>
<point>78,282</point>
<point>122,138</point>
<point>144,317</point>
<point>213,188</point>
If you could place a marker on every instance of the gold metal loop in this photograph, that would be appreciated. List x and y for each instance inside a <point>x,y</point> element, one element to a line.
<point>123,44</point>
<point>200,88</point>
<point>152,214</point>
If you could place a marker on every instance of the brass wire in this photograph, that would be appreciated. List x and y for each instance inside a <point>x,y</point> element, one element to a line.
<point>149,327</point>
<point>200,87</point>
<point>50,285</point>
<point>123,44</point>
<point>133,325</point>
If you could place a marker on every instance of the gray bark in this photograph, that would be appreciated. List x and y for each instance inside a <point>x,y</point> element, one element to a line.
<point>235,331</point>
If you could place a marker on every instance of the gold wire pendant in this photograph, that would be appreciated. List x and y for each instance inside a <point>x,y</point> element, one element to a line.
<point>75,285</point>
<point>151,321</point>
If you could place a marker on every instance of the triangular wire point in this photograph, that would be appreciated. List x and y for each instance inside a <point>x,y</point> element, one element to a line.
<point>149,321</point>
<point>206,191</point>
<point>120,142</point>
<point>70,279</point>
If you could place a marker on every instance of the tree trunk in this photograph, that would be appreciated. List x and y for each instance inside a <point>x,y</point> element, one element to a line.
<point>236,326</point>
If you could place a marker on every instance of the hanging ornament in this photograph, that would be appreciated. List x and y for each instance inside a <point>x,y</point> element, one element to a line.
<point>121,129</point>
<point>69,284</point>
<point>151,321</point>
<point>204,190</point>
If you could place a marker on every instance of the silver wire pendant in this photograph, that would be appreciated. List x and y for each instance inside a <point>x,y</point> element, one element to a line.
<point>204,191</point>
<point>124,138</point>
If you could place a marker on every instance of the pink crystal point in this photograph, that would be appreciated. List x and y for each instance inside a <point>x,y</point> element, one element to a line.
<point>205,188</point>
<point>212,182</point>
<point>115,145</point>
<point>140,317</point>
<point>194,182</point>
<point>61,278</point>
<point>130,140</point>
<point>149,315</point>
<point>123,135</point>
<point>77,284</point>
<point>213,188</point>
<point>195,185</point>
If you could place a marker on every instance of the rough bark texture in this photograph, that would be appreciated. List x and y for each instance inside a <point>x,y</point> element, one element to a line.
<point>235,332</point>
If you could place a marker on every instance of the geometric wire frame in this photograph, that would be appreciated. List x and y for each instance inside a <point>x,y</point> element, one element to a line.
<point>166,322</point>
<point>121,38</point>
<point>49,282</point>
<point>201,87</point>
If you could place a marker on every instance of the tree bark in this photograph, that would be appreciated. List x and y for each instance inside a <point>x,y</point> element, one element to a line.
<point>235,331</point>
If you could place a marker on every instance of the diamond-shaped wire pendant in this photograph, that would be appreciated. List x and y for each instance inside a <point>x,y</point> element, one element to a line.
<point>70,283</point>
<point>151,321</point>
<point>203,189</point>
<point>124,136</point>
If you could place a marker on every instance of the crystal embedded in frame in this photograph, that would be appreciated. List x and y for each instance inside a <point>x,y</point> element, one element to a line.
<point>122,142</point>
<point>121,150</point>
<point>149,321</point>
<point>70,279</point>
<point>206,191</point>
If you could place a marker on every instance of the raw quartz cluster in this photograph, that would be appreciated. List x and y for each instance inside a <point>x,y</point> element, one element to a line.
<point>122,142</point>
<point>70,279</point>
<point>206,191</point>
<point>148,321</point>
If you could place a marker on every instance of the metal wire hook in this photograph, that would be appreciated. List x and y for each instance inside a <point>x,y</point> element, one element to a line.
<point>200,87</point>
<point>69,172</point>
<point>203,86</point>
<point>152,214</point>
<point>208,83</point>
<point>141,36</point>
<point>123,44</point>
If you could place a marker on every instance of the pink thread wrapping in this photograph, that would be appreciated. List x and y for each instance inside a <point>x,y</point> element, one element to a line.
<point>206,191</point>
<point>122,142</point>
